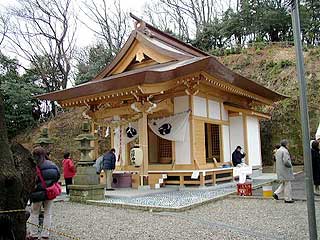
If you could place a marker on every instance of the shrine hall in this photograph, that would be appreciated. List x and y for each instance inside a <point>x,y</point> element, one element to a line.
<point>184,109</point>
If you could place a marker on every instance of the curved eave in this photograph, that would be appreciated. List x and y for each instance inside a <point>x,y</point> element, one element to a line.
<point>220,71</point>
<point>162,73</point>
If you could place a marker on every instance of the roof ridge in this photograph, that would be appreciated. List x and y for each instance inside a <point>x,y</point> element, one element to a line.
<point>158,31</point>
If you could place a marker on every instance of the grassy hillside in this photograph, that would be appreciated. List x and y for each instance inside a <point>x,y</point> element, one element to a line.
<point>274,67</point>
<point>271,66</point>
<point>62,129</point>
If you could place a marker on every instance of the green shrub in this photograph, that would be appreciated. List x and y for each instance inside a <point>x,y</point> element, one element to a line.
<point>285,63</point>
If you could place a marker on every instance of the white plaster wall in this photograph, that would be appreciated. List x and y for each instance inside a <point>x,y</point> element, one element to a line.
<point>214,110</point>
<point>254,148</point>
<point>182,149</point>
<point>199,106</point>
<point>226,143</point>
<point>225,115</point>
<point>236,133</point>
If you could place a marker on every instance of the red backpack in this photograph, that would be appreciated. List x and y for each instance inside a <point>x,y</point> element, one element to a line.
<point>53,191</point>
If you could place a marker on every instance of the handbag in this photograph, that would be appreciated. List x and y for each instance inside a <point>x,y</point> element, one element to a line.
<point>51,192</point>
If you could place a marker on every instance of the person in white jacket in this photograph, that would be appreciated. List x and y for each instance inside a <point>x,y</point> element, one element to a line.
<point>284,172</point>
<point>99,164</point>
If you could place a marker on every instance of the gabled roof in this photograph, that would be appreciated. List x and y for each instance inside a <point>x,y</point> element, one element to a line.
<point>150,39</point>
<point>152,56</point>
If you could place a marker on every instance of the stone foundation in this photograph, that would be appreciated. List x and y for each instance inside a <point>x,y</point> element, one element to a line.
<point>86,175</point>
<point>82,193</point>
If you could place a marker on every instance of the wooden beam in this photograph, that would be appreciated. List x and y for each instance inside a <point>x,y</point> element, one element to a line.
<point>157,87</point>
<point>209,120</point>
<point>247,111</point>
<point>109,112</point>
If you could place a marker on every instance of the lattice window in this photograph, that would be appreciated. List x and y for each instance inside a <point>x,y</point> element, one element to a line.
<point>165,148</point>
<point>215,135</point>
<point>212,142</point>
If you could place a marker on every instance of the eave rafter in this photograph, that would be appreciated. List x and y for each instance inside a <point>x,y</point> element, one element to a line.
<point>190,84</point>
<point>210,80</point>
<point>117,95</point>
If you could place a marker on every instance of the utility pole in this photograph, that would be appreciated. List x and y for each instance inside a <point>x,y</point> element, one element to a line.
<point>304,120</point>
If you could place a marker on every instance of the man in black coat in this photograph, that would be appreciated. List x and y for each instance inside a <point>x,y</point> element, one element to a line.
<point>109,164</point>
<point>316,166</point>
<point>237,156</point>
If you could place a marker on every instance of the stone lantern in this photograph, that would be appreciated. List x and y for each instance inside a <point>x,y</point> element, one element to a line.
<point>44,140</point>
<point>85,138</point>
<point>86,182</point>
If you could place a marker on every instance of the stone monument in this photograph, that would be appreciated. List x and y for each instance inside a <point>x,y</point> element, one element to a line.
<point>86,182</point>
<point>44,140</point>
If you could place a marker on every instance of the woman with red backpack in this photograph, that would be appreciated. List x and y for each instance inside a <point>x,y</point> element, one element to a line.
<point>69,171</point>
<point>47,188</point>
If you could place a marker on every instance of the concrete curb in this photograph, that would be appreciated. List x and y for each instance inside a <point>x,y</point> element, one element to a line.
<point>170,209</point>
<point>156,208</point>
<point>270,198</point>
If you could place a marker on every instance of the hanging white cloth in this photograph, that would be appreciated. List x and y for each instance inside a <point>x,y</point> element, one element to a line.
<point>173,128</point>
<point>107,132</point>
<point>318,132</point>
<point>131,132</point>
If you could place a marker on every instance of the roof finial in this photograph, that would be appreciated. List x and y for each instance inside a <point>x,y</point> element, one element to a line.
<point>141,25</point>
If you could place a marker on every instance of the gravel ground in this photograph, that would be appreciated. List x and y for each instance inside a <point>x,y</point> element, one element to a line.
<point>232,218</point>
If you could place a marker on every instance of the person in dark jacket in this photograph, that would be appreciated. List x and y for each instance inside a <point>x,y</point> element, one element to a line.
<point>237,156</point>
<point>51,174</point>
<point>316,166</point>
<point>109,164</point>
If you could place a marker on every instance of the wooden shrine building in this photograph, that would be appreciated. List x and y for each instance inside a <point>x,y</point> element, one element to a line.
<point>155,76</point>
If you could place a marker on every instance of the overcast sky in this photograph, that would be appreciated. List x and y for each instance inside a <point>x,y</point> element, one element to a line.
<point>85,36</point>
<point>134,6</point>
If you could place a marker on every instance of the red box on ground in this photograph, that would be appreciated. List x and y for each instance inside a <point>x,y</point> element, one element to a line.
<point>244,189</point>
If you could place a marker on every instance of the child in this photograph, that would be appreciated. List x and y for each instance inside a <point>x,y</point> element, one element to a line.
<point>68,170</point>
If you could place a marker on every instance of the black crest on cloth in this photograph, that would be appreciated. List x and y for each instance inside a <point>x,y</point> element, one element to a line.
<point>131,132</point>
<point>165,129</point>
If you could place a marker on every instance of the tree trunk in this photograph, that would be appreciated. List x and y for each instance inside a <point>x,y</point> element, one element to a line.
<point>274,36</point>
<point>12,225</point>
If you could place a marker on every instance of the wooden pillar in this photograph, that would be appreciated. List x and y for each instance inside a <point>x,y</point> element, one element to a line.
<point>202,179</point>
<point>181,180</point>
<point>111,129</point>
<point>95,143</point>
<point>191,124</point>
<point>143,142</point>
<point>245,135</point>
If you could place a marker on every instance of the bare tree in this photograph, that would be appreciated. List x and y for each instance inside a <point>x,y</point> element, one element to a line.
<point>111,21</point>
<point>168,19</point>
<point>185,17</point>
<point>43,33</point>
<point>4,26</point>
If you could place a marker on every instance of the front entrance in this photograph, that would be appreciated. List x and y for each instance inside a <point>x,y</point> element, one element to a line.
<point>160,150</point>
